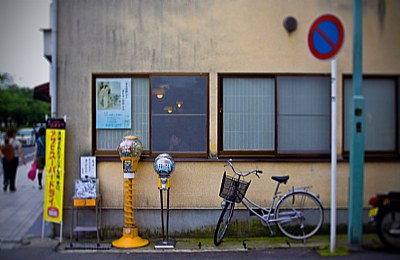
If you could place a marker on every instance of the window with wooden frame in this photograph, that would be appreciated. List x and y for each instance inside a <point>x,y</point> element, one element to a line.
<point>381,113</point>
<point>168,113</point>
<point>274,115</point>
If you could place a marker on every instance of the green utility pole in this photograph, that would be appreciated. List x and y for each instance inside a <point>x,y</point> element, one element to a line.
<point>357,133</point>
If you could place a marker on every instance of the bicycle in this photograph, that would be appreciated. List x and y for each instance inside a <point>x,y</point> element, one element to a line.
<point>298,213</point>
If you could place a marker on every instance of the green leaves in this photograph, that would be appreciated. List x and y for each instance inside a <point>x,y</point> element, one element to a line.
<point>17,106</point>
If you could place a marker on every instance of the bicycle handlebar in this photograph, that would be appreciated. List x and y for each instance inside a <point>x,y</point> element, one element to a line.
<point>255,172</point>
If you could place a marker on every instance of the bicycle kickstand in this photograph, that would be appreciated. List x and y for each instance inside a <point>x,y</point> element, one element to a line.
<point>271,232</point>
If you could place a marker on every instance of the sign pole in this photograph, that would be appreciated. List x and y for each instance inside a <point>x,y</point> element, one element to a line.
<point>325,39</point>
<point>333,154</point>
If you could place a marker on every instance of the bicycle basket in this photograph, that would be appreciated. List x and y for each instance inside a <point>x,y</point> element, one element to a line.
<point>233,189</point>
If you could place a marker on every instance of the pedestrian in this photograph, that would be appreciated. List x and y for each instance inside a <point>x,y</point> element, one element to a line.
<point>7,153</point>
<point>39,154</point>
<point>12,165</point>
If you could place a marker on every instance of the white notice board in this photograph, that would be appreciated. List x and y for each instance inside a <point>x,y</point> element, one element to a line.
<point>88,167</point>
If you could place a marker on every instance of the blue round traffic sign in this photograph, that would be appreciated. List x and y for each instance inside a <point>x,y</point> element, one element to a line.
<point>326,37</point>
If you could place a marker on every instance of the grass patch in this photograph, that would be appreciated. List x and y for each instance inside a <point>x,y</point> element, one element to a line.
<point>340,251</point>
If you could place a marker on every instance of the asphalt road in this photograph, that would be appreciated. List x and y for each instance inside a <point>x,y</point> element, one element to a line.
<point>37,249</point>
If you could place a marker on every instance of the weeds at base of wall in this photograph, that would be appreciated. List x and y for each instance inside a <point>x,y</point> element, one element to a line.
<point>237,229</point>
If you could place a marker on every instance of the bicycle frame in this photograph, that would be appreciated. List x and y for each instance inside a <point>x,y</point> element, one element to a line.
<point>269,217</point>
<point>293,212</point>
<point>297,213</point>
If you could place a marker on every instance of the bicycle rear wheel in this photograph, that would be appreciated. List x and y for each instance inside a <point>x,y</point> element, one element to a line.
<point>299,215</point>
<point>223,222</point>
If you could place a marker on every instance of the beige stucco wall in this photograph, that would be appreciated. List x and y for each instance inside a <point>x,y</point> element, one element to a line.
<point>196,185</point>
<point>210,36</point>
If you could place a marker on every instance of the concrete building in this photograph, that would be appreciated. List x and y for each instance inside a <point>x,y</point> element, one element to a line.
<point>228,80</point>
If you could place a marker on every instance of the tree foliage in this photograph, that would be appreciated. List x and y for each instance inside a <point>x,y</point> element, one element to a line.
<point>17,106</point>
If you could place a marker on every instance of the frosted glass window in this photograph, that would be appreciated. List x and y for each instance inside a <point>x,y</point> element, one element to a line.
<point>303,114</point>
<point>380,113</point>
<point>248,114</point>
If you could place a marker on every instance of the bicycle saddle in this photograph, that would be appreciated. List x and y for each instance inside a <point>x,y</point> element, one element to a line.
<point>280,179</point>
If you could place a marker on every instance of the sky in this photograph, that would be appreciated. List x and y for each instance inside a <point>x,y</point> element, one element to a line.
<point>21,41</point>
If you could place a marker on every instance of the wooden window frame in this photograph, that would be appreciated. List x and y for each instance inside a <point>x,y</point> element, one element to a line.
<point>376,155</point>
<point>109,155</point>
<point>269,155</point>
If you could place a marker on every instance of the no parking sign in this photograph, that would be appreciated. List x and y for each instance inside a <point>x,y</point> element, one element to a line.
<point>326,37</point>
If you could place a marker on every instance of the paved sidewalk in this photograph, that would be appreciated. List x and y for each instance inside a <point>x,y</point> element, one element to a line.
<point>20,209</point>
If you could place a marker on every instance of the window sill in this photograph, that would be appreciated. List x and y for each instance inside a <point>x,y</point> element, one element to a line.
<point>102,157</point>
<point>345,159</point>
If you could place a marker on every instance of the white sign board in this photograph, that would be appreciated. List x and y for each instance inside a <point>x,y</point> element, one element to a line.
<point>88,167</point>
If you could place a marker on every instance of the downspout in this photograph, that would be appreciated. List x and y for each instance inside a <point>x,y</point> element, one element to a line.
<point>53,79</point>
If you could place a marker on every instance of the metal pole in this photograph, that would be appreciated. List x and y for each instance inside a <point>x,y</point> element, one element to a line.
<point>61,231</point>
<point>333,153</point>
<point>53,77</point>
<point>357,126</point>
<point>162,215</point>
<point>43,227</point>
<point>167,211</point>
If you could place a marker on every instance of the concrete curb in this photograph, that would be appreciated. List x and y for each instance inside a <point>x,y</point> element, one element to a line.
<point>193,246</point>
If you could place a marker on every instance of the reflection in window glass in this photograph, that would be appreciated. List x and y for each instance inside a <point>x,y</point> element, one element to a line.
<point>179,114</point>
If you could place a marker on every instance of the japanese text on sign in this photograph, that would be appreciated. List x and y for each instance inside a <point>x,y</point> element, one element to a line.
<point>54,186</point>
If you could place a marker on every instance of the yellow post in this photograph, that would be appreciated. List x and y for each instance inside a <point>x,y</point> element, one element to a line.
<point>129,150</point>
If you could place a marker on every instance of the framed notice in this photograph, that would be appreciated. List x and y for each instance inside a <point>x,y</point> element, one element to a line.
<point>113,103</point>
<point>88,167</point>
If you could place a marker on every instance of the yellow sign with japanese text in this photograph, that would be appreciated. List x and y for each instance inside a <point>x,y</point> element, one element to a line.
<point>54,180</point>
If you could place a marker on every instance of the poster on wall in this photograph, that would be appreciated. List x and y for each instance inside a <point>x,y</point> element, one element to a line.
<point>88,167</point>
<point>113,103</point>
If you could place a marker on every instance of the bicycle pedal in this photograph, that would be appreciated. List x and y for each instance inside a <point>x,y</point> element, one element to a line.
<point>272,234</point>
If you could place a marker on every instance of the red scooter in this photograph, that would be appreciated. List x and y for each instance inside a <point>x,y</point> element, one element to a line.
<point>385,212</point>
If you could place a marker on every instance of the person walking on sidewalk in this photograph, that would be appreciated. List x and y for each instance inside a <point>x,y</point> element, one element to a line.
<point>12,165</point>
<point>39,154</point>
<point>7,154</point>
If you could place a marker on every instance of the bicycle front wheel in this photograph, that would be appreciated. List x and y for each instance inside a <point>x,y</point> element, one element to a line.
<point>299,215</point>
<point>223,222</point>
